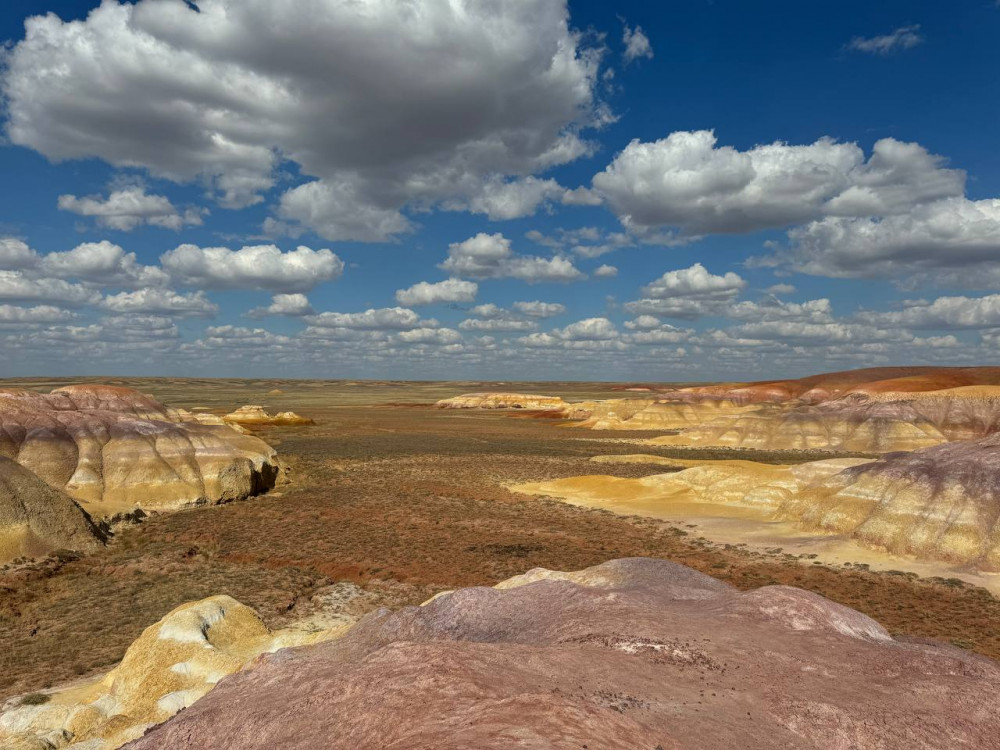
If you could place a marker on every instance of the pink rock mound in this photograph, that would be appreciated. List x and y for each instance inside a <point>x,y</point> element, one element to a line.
<point>631,654</point>
<point>114,449</point>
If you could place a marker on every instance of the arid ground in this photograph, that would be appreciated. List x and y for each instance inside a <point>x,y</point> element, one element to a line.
<point>405,500</point>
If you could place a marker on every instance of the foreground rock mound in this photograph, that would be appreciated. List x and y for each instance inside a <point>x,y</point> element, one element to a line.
<point>255,415</point>
<point>503,401</point>
<point>630,654</point>
<point>36,519</point>
<point>114,449</point>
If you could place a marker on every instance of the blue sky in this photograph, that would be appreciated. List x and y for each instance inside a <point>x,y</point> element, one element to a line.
<point>693,190</point>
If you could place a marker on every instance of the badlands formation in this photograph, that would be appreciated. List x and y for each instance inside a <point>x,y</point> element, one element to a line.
<point>933,495</point>
<point>254,415</point>
<point>634,653</point>
<point>631,653</point>
<point>109,451</point>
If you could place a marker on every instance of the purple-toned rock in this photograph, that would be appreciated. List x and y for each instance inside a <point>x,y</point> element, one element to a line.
<point>634,653</point>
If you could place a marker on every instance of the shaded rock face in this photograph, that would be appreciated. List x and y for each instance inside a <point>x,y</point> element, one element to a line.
<point>36,519</point>
<point>114,449</point>
<point>504,401</point>
<point>631,654</point>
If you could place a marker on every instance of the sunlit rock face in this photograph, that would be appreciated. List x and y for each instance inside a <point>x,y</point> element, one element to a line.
<point>503,401</point>
<point>939,503</point>
<point>36,519</point>
<point>864,428</point>
<point>115,449</point>
<point>255,415</point>
<point>171,665</point>
<point>630,654</point>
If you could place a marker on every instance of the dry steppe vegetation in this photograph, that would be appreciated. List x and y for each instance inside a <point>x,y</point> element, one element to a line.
<point>405,500</point>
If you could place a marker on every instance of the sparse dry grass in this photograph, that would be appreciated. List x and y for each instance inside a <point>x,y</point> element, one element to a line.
<point>405,501</point>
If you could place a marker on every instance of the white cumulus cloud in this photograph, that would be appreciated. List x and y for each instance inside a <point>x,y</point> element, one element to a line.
<point>132,207</point>
<point>251,267</point>
<point>489,256</point>
<point>426,293</point>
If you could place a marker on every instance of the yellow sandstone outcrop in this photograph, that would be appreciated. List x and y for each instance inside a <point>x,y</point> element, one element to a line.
<point>504,401</point>
<point>170,666</point>
<point>254,414</point>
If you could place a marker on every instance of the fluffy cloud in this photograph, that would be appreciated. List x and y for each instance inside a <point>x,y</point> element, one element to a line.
<point>605,272</point>
<point>905,37</point>
<point>338,211</point>
<point>687,293</point>
<point>685,181</point>
<point>130,208</point>
<point>425,293</point>
<point>587,242</point>
<point>291,305</point>
<point>770,309</point>
<point>161,301</point>
<point>489,256</point>
<point>11,315</point>
<point>252,267</point>
<point>438,336</point>
<point>636,44</point>
<point>17,287</point>
<point>382,319</point>
<point>589,329</point>
<point>102,263</point>
<point>942,313</point>
<point>538,309</point>
<point>956,240</point>
<point>593,334</point>
<point>222,91</point>
<point>503,199</point>
<point>16,255</point>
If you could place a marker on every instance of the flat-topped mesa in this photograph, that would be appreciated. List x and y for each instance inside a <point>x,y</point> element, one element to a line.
<point>36,519</point>
<point>526,401</point>
<point>255,415</point>
<point>656,414</point>
<point>634,653</point>
<point>115,449</point>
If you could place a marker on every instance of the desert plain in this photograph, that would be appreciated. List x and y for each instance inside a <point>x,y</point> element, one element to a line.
<point>384,495</point>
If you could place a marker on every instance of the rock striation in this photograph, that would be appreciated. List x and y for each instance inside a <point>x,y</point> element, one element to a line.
<point>939,503</point>
<point>633,653</point>
<point>253,415</point>
<point>172,664</point>
<point>114,449</point>
<point>503,401</point>
<point>36,519</point>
